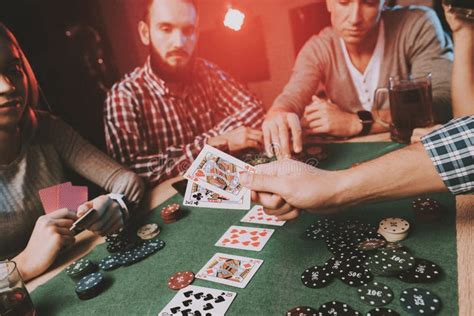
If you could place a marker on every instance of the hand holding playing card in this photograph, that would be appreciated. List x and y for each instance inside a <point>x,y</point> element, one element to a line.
<point>107,218</point>
<point>50,235</point>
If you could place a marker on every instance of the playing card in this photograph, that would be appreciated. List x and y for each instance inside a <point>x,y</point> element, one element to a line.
<point>71,197</point>
<point>230,270</point>
<point>198,300</point>
<point>247,238</point>
<point>257,216</point>
<point>219,172</point>
<point>198,196</point>
<point>50,197</point>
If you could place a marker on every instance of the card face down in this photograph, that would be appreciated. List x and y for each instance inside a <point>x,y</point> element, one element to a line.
<point>219,172</point>
<point>198,300</point>
<point>230,270</point>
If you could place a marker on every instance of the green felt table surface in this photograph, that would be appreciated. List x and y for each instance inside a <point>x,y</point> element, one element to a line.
<point>141,289</point>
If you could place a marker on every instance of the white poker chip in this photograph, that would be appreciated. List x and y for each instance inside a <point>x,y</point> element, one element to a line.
<point>148,231</point>
<point>394,225</point>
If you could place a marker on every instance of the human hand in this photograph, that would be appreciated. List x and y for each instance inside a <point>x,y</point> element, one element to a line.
<point>325,117</point>
<point>50,235</point>
<point>282,134</point>
<point>239,139</point>
<point>108,218</point>
<point>284,187</point>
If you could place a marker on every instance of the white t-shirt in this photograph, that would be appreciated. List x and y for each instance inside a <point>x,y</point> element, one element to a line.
<point>366,83</point>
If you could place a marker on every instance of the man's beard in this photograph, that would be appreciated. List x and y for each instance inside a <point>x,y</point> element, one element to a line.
<point>180,74</point>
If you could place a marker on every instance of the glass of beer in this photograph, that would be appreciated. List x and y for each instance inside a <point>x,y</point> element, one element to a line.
<point>411,105</point>
<point>14,298</point>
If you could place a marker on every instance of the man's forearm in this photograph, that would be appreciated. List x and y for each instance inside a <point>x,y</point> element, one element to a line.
<point>463,74</point>
<point>403,173</point>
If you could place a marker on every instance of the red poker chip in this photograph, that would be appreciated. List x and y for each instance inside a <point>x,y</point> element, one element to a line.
<point>180,280</point>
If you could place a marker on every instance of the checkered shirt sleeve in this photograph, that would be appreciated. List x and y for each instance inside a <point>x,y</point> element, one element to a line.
<point>451,148</point>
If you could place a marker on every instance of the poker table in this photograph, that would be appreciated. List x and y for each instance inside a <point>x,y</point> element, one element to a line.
<point>141,289</point>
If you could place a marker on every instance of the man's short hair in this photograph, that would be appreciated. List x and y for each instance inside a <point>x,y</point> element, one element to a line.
<point>147,4</point>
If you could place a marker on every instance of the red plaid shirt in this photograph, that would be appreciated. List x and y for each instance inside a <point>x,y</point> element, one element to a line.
<point>158,134</point>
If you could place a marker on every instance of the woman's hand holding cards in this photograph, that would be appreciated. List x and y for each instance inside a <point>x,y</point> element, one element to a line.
<point>108,217</point>
<point>50,235</point>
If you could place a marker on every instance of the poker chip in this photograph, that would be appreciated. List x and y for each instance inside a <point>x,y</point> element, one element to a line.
<point>396,260</point>
<point>382,311</point>
<point>376,266</point>
<point>336,308</point>
<point>420,301</point>
<point>338,246</point>
<point>334,265</point>
<point>375,294</point>
<point>424,271</point>
<point>427,209</point>
<point>148,231</point>
<point>302,311</point>
<point>355,275</point>
<point>90,286</point>
<point>80,268</point>
<point>316,277</point>
<point>394,245</point>
<point>320,229</point>
<point>111,262</point>
<point>180,280</point>
<point>394,229</point>
<point>394,225</point>
<point>372,244</point>
<point>154,245</point>
<point>171,213</point>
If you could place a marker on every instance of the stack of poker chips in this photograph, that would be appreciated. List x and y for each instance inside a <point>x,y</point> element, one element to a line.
<point>148,231</point>
<point>171,213</point>
<point>360,254</point>
<point>80,268</point>
<point>119,242</point>
<point>394,229</point>
<point>92,283</point>
<point>90,286</point>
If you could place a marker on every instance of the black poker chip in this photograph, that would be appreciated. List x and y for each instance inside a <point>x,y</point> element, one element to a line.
<point>420,301</point>
<point>80,268</point>
<point>394,260</point>
<point>320,229</point>
<point>371,244</point>
<point>334,265</point>
<point>111,262</point>
<point>317,277</point>
<point>338,246</point>
<point>336,308</point>
<point>395,246</point>
<point>355,275</point>
<point>382,311</point>
<point>424,271</point>
<point>302,311</point>
<point>375,294</point>
<point>90,286</point>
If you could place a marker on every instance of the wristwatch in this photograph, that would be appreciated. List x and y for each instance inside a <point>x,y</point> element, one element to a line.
<point>120,199</point>
<point>367,121</point>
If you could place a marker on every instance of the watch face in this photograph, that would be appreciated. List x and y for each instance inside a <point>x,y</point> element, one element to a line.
<point>365,116</point>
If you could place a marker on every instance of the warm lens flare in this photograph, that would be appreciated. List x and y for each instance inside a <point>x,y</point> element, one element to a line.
<point>234,19</point>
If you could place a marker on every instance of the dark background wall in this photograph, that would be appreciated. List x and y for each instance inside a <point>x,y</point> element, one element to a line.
<point>78,48</point>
